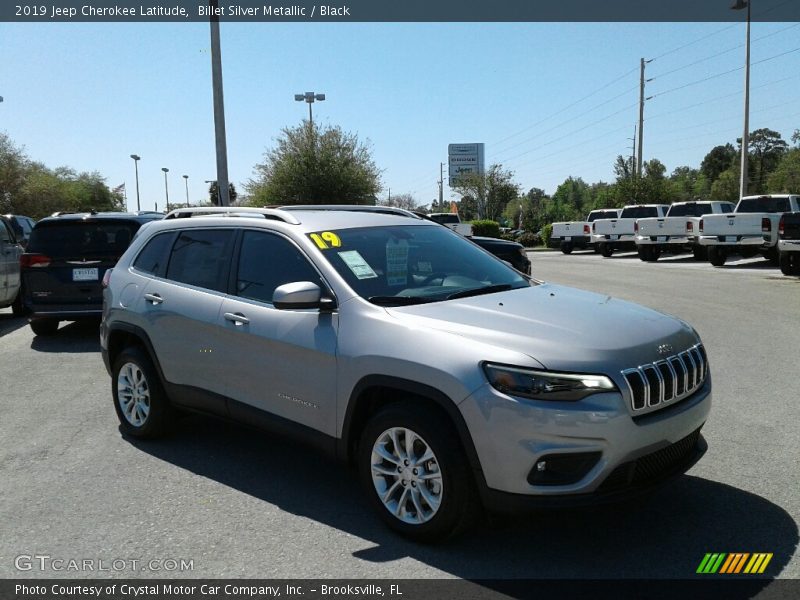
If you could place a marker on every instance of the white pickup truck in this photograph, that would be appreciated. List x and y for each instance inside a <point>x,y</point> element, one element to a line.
<point>578,234</point>
<point>453,221</point>
<point>750,229</point>
<point>620,233</point>
<point>678,231</point>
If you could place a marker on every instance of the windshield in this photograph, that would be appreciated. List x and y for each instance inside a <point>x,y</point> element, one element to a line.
<point>411,264</point>
<point>689,210</point>
<point>596,215</point>
<point>639,212</point>
<point>77,239</point>
<point>763,204</point>
<point>445,219</point>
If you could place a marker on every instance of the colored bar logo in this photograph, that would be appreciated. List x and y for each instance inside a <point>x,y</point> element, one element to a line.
<point>734,563</point>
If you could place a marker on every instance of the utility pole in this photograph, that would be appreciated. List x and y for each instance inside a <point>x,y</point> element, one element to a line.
<point>633,149</point>
<point>641,117</point>
<point>743,181</point>
<point>441,184</point>
<point>219,108</point>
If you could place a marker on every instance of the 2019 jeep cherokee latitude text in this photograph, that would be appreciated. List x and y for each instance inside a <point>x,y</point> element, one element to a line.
<point>449,379</point>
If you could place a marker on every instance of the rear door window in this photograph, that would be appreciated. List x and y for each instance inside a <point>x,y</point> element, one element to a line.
<point>200,257</point>
<point>153,257</point>
<point>639,212</point>
<point>763,204</point>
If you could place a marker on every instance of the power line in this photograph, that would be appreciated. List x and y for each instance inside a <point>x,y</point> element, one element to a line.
<point>555,114</point>
<point>691,83</point>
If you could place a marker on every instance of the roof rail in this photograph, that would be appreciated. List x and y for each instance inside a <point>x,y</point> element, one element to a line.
<point>384,210</point>
<point>233,211</point>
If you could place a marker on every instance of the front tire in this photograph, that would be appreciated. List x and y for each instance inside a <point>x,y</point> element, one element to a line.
<point>717,256</point>
<point>415,474</point>
<point>142,406</point>
<point>790,263</point>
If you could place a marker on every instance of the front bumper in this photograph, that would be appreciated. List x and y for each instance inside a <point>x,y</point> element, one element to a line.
<point>511,435</point>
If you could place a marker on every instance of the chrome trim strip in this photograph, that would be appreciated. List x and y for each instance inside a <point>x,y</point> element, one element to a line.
<point>692,356</point>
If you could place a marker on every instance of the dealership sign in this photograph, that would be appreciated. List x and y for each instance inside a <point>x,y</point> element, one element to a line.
<point>464,159</point>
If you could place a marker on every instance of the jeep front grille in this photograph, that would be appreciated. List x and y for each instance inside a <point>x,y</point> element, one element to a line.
<point>667,381</point>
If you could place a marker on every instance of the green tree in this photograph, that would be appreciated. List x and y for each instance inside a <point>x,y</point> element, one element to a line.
<point>786,177</point>
<point>796,137</point>
<point>726,187</point>
<point>719,159</point>
<point>213,193</point>
<point>492,190</point>
<point>766,147</point>
<point>314,165</point>
<point>13,166</point>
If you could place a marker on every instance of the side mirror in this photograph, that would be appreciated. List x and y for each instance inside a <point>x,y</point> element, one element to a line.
<point>301,294</point>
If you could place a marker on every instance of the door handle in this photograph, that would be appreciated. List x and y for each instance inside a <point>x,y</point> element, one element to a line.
<point>237,318</point>
<point>153,298</point>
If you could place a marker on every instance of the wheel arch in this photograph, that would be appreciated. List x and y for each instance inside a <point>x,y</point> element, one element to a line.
<point>124,335</point>
<point>373,392</point>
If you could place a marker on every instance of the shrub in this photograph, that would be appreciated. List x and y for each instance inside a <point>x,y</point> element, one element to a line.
<point>547,232</point>
<point>486,228</point>
<point>529,240</point>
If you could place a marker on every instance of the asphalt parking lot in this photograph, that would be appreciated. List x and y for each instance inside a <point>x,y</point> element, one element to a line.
<point>239,504</point>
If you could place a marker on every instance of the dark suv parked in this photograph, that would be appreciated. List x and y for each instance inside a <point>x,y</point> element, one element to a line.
<point>65,261</point>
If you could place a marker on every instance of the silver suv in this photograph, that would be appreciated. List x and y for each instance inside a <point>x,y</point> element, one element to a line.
<point>450,380</point>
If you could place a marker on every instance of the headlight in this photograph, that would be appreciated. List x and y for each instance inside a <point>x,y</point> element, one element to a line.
<point>544,385</point>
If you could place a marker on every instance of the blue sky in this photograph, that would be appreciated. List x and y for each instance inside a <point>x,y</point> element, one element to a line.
<point>89,95</point>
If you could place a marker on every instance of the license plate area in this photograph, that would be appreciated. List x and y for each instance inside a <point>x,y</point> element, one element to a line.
<point>85,274</point>
<point>730,238</point>
<point>661,238</point>
<point>568,238</point>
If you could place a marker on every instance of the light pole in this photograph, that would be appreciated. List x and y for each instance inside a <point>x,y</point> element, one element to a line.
<point>136,158</point>
<point>166,187</point>
<point>186,181</point>
<point>309,97</point>
<point>739,5</point>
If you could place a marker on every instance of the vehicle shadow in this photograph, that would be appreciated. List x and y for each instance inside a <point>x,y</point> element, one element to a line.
<point>10,323</point>
<point>78,336</point>
<point>665,535</point>
<point>750,264</point>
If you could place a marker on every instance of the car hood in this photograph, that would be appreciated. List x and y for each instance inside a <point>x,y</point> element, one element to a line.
<point>560,327</point>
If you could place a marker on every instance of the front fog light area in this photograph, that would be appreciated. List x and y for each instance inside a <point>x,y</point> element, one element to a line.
<point>543,385</point>
<point>562,469</point>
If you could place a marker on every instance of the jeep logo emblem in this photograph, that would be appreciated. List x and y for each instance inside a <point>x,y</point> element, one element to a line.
<point>664,349</point>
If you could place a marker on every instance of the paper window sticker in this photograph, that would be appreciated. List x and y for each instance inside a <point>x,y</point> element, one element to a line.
<point>356,263</point>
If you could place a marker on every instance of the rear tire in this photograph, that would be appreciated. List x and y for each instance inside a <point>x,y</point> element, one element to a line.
<point>790,263</point>
<point>44,326</point>
<point>748,252</point>
<point>566,247</point>
<point>700,253</point>
<point>606,250</point>
<point>424,499</point>
<point>717,256</point>
<point>142,407</point>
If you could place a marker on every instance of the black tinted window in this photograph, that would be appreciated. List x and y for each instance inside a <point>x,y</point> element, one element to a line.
<point>639,212</point>
<point>448,219</point>
<point>5,233</point>
<point>602,214</point>
<point>79,239</point>
<point>689,210</point>
<point>727,208</point>
<point>267,261</point>
<point>764,204</point>
<point>153,257</point>
<point>201,257</point>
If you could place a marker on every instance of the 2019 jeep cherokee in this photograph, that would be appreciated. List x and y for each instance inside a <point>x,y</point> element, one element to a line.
<point>449,379</point>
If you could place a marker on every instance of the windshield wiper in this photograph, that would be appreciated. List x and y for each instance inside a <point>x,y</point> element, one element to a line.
<point>489,289</point>
<point>398,300</point>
